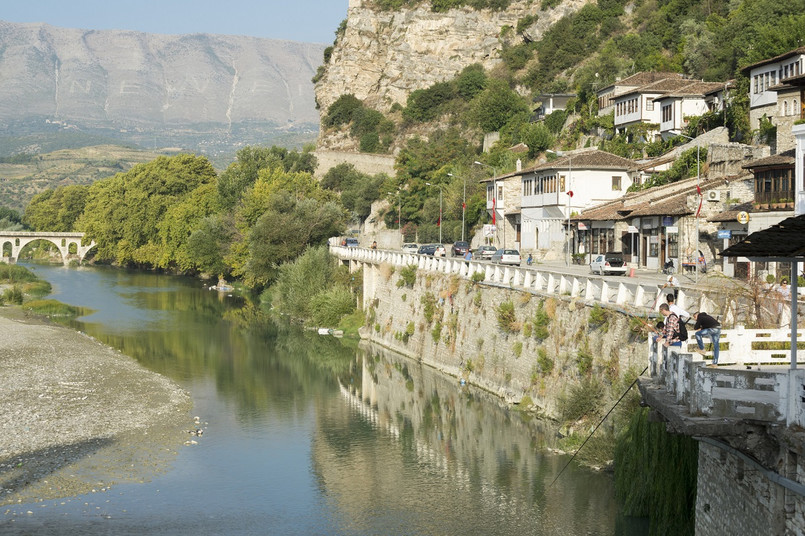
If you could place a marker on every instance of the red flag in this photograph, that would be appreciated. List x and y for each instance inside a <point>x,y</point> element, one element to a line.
<point>439,221</point>
<point>463,206</point>
<point>699,191</point>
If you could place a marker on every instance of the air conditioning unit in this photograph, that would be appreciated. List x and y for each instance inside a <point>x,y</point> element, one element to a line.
<point>713,195</point>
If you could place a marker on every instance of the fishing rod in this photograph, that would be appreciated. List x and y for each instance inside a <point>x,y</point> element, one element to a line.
<point>594,430</point>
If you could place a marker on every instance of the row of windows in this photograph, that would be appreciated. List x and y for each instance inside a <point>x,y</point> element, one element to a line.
<point>627,107</point>
<point>792,109</point>
<point>763,80</point>
<point>544,185</point>
<point>775,180</point>
<point>489,193</point>
<point>548,185</point>
<point>791,69</point>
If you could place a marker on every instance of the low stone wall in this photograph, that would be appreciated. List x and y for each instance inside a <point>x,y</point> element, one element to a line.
<point>452,324</point>
<point>371,164</point>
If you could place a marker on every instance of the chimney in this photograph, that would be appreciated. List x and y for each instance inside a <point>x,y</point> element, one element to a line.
<point>519,165</point>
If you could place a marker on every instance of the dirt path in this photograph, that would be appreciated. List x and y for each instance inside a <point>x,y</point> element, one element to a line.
<point>79,416</point>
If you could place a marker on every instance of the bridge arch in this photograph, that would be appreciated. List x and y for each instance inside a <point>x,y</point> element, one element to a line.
<point>71,245</point>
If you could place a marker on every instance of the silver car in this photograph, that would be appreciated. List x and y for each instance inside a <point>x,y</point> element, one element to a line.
<point>507,256</point>
<point>410,248</point>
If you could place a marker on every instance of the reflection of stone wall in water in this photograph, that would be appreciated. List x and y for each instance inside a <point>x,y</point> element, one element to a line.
<point>460,449</point>
<point>453,325</point>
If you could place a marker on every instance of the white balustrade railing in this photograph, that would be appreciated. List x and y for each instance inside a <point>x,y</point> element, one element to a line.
<point>626,293</point>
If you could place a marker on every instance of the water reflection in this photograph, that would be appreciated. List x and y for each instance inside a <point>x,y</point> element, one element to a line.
<point>447,457</point>
<point>312,435</point>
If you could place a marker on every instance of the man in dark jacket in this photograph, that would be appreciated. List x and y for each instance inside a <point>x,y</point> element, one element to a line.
<point>707,326</point>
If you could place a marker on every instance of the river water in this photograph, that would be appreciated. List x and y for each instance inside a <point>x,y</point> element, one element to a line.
<point>311,435</point>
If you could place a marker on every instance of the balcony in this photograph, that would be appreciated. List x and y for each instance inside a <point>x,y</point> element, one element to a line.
<point>774,200</point>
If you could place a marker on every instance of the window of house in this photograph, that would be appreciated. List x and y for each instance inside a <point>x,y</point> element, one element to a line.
<point>785,108</point>
<point>489,193</point>
<point>500,192</point>
<point>667,113</point>
<point>654,243</point>
<point>561,183</point>
<point>673,245</point>
<point>616,184</point>
<point>649,105</point>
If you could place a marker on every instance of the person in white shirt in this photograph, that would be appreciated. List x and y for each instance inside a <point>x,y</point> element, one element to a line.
<point>683,315</point>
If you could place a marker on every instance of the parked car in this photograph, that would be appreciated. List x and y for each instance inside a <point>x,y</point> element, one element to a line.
<point>460,249</point>
<point>608,263</point>
<point>507,256</point>
<point>352,242</point>
<point>426,249</point>
<point>410,248</point>
<point>484,253</point>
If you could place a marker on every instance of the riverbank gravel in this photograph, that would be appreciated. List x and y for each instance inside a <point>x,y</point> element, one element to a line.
<point>78,416</point>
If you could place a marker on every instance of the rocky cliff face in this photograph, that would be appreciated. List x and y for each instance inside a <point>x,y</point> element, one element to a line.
<point>385,55</point>
<point>131,79</point>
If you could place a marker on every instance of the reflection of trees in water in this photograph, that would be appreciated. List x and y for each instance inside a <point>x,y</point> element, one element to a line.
<point>401,420</point>
<point>257,362</point>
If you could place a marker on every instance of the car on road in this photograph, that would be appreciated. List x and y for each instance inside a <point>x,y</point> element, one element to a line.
<point>426,249</point>
<point>460,249</point>
<point>608,263</point>
<point>507,256</point>
<point>410,248</point>
<point>484,253</point>
<point>352,242</point>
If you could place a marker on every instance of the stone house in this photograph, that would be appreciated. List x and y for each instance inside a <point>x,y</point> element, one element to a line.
<point>531,206</point>
<point>652,226</point>
<point>776,92</point>
<point>606,96</point>
<point>694,99</point>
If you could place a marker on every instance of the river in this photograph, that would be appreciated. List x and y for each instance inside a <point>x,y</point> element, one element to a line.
<point>311,435</point>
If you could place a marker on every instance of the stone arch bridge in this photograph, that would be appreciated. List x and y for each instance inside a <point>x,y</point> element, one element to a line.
<point>17,240</point>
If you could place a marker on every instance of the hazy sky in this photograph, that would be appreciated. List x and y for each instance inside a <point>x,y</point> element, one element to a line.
<point>296,20</point>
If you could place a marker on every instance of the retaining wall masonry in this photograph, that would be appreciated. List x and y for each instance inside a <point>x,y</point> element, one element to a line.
<point>463,337</point>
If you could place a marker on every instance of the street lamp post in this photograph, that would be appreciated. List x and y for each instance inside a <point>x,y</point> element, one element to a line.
<point>399,214</point>
<point>569,196</point>
<point>699,191</point>
<point>440,210</point>
<point>494,196</point>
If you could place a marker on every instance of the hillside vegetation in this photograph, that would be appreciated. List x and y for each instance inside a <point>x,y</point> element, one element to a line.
<point>437,134</point>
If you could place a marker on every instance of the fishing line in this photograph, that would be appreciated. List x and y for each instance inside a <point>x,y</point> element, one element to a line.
<point>594,430</point>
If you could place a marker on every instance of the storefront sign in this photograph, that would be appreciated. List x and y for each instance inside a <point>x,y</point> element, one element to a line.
<point>672,230</point>
<point>632,229</point>
<point>743,218</point>
<point>582,226</point>
<point>667,221</point>
<point>489,230</point>
<point>724,234</point>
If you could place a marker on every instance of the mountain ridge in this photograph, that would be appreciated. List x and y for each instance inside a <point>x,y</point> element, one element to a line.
<point>122,80</point>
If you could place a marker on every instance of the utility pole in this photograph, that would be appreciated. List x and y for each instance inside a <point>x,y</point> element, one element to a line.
<point>699,208</point>
<point>569,197</point>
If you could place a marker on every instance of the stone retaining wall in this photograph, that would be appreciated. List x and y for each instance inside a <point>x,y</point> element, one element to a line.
<point>452,325</point>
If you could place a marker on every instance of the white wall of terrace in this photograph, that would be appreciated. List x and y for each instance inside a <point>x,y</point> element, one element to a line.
<point>626,292</point>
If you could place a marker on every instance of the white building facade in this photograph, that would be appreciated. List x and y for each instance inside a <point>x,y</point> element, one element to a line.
<point>553,191</point>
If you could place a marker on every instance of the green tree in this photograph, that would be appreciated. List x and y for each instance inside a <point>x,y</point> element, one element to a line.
<point>285,229</point>
<point>123,213</point>
<point>493,107</point>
